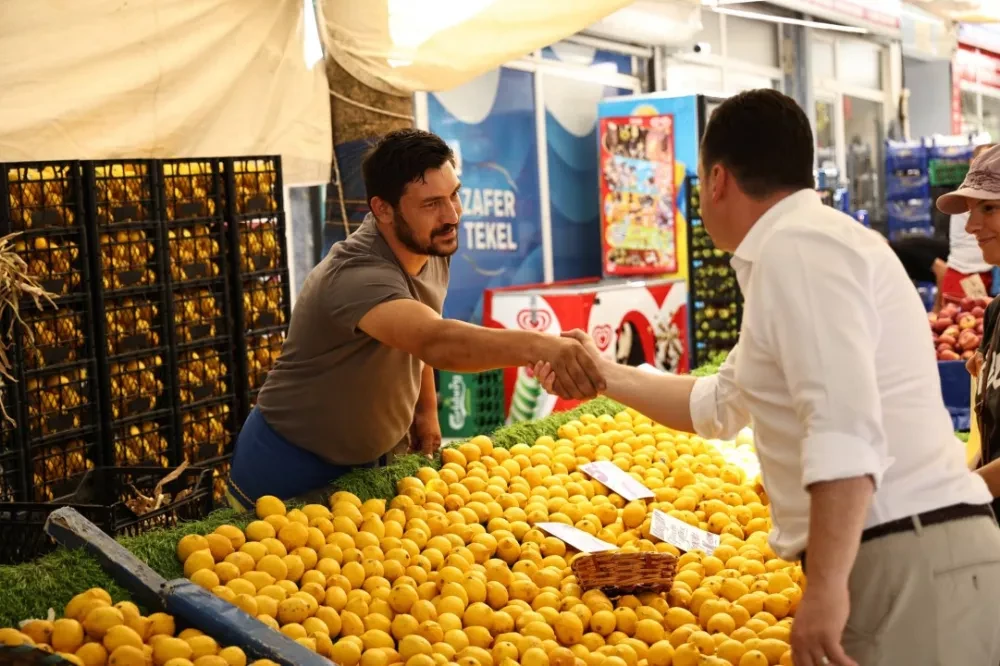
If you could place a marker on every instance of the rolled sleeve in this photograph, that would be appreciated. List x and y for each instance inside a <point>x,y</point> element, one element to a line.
<point>717,410</point>
<point>830,456</point>
<point>827,353</point>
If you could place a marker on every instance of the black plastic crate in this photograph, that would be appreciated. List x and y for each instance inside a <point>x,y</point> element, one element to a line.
<point>56,467</point>
<point>137,384</point>
<point>204,374</point>
<point>57,337</point>
<point>144,441</point>
<point>200,314</point>
<point>265,302</point>
<point>12,482</point>
<point>59,402</point>
<point>716,303</point>
<point>220,478</point>
<point>102,496</point>
<point>262,353</point>
<point>207,431</point>
<point>133,324</point>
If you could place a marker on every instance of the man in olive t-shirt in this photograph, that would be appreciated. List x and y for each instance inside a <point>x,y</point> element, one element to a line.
<point>355,375</point>
<point>336,391</point>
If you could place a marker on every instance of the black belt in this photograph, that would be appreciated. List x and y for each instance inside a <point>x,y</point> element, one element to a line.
<point>945,514</point>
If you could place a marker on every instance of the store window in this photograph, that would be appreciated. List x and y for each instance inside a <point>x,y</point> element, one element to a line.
<point>826,146</point>
<point>991,116</point>
<point>731,54</point>
<point>859,63</point>
<point>864,130</point>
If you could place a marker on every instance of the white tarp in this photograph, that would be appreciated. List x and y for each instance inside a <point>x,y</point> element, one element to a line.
<point>964,11</point>
<point>162,78</point>
<point>402,46</point>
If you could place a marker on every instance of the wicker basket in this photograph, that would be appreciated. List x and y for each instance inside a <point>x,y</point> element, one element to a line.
<point>625,573</point>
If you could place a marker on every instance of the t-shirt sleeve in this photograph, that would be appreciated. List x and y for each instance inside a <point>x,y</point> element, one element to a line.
<point>359,285</point>
<point>989,325</point>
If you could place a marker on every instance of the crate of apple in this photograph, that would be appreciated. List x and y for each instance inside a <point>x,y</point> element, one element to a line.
<point>958,328</point>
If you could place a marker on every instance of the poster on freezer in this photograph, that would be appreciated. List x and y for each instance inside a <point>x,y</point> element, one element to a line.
<point>638,220</point>
<point>490,125</point>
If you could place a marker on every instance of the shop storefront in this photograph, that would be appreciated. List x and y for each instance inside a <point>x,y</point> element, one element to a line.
<point>528,130</point>
<point>928,44</point>
<point>976,82</point>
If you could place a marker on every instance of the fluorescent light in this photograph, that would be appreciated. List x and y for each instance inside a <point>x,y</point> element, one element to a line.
<point>791,21</point>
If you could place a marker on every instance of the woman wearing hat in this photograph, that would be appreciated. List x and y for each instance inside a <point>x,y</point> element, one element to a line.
<point>979,197</point>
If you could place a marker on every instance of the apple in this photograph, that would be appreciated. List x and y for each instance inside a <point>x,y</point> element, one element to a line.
<point>948,356</point>
<point>966,321</point>
<point>967,304</point>
<point>967,354</point>
<point>979,327</point>
<point>949,340</point>
<point>944,347</point>
<point>983,302</point>
<point>932,317</point>
<point>968,340</point>
<point>978,312</point>
<point>952,331</point>
<point>942,323</point>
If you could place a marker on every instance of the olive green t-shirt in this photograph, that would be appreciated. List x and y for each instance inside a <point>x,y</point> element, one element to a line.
<point>334,390</point>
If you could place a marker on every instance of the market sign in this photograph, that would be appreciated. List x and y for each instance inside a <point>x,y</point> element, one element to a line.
<point>971,65</point>
<point>880,16</point>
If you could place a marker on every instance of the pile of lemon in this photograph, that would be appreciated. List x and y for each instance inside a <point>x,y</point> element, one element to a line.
<point>93,632</point>
<point>453,571</point>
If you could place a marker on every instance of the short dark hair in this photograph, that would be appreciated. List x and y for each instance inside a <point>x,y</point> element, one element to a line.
<point>763,137</point>
<point>400,158</point>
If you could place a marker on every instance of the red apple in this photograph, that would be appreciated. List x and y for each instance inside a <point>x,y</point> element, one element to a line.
<point>968,340</point>
<point>944,347</point>
<point>967,304</point>
<point>942,323</point>
<point>967,354</point>
<point>983,302</point>
<point>978,311</point>
<point>966,320</point>
<point>952,331</point>
<point>948,356</point>
<point>949,340</point>
<point>979,327</point>
<point>932,317</point>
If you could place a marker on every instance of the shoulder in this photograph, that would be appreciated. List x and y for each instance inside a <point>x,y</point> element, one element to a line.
<point>819,238</point>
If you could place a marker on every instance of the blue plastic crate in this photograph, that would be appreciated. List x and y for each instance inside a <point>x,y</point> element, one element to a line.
<point>905,188</point>
<point>905,156</point>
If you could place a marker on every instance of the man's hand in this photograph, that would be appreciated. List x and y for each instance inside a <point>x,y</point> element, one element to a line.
<point>819,625</point>
<point>975,364</point>
<point>570,370</point>
<point>425,433</point>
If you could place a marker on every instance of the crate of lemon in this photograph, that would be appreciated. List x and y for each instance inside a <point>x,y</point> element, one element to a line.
<point>452,570</point>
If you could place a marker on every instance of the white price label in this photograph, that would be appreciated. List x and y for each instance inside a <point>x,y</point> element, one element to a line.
<point>583,542</point>
<point>681,535</point>
<point>617,480</point>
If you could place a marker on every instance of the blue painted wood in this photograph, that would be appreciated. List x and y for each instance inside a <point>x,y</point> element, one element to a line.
<point>72,530</point>
<point>231,626</point>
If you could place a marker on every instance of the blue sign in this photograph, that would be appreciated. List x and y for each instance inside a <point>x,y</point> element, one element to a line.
<point>490,124</point>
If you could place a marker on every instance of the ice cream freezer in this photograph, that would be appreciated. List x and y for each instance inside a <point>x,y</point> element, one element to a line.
<point>632,321</point>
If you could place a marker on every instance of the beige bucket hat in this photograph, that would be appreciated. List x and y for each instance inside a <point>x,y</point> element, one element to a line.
<point>981,183</point>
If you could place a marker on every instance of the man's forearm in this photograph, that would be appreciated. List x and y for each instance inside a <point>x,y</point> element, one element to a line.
<point>837,514</point>
<point>460,347</point>
<point>427,400</point>
<point>664,398</point>
<point>991,475</point>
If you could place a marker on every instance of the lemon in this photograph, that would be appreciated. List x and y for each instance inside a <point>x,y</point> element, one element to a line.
<point>190,544</point>
<point>268,505</point>
<point>128,655</point>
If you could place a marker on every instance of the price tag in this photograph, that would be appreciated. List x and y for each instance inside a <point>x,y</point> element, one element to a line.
<point>681,535</point>
<point>617,480</point>
<point>974,287</point>
<point>583,542</point>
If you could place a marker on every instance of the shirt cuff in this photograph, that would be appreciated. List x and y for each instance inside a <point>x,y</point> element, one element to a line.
<point>704,407</point>
<point>832,456</point>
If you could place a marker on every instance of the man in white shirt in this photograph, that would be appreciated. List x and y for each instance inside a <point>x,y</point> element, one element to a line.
<point>835,371</point>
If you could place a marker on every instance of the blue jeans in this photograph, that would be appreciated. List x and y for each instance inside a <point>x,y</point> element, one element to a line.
<point>265,463</point>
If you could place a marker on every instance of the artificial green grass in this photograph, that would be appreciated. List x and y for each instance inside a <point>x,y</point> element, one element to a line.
<point>29,590</point>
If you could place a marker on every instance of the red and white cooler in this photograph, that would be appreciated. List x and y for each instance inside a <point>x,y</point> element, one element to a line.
<point>631,321</point>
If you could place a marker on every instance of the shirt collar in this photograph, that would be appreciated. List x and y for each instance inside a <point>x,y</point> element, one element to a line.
<point>749,248</point>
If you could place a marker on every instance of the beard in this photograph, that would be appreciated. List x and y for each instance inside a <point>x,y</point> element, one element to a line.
<point>436,246</point>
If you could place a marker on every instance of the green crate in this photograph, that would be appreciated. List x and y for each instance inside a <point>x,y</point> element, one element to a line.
<point>470,404</point>
<point>947,172</point>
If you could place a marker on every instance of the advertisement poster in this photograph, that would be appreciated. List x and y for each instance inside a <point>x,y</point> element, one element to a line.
<point>639,223</point>
<point>490,124</point>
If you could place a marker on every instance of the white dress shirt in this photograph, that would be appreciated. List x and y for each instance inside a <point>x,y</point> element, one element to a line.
<point>835,370</point>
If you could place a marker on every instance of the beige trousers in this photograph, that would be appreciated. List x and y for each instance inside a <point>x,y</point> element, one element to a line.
<point>929,597</point>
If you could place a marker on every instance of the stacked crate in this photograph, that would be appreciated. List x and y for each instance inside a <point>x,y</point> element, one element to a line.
<point>134,370</point>
<point>258,255</point>
<point>200,327</point>
<point>57,395</point>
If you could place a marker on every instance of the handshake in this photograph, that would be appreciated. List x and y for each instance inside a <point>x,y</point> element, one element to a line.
<point>570,366</point>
